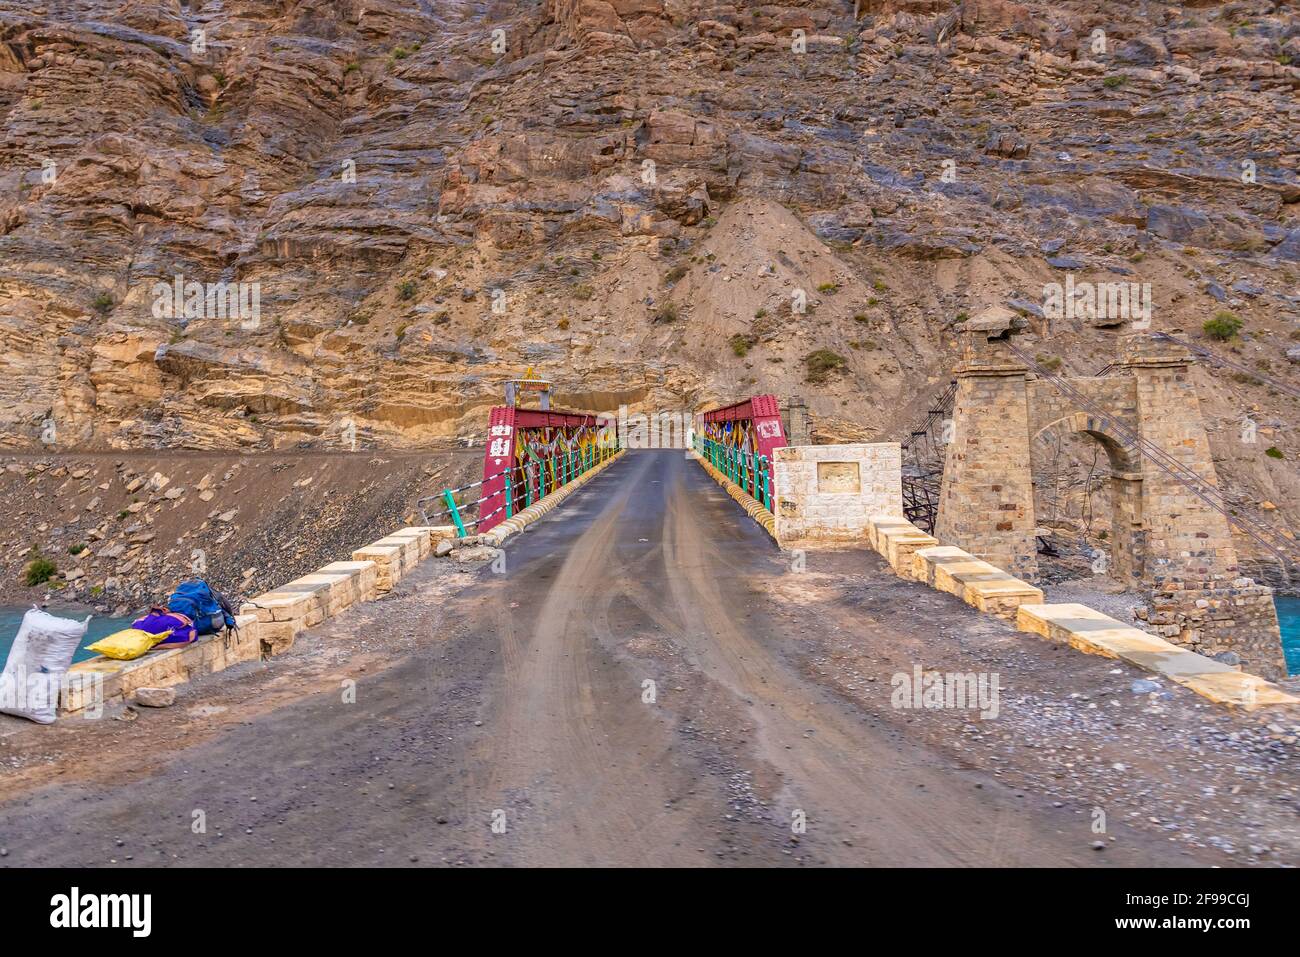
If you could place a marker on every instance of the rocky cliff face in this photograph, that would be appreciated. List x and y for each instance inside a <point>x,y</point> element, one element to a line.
<point>427,196</point>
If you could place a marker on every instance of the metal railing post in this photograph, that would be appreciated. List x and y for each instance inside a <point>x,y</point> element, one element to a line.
<point>455,513</point>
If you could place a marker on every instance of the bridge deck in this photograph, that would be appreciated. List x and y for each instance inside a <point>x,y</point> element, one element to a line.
<point>523,692</point>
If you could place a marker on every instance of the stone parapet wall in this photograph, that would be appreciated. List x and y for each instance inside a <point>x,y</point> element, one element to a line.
<point>827,494</point>
<point>269,623</point>
<point>1092,632</point>
<point>992,591</point>
<point>1236,620</point>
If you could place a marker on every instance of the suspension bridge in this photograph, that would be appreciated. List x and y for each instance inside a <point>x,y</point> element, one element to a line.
<point>645,680</point>
<point>965,478</point>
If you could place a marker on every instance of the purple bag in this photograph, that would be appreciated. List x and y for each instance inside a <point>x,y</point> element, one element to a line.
<point>160,619</point>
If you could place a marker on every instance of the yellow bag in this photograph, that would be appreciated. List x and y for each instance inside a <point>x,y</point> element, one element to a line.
<point>126,644</point>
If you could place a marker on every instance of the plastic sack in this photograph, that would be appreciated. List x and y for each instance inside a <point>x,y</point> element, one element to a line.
<point>42,652</point>
<point>127,644</point>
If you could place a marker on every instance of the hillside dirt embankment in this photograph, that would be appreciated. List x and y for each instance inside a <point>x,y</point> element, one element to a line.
<point>122,529</point>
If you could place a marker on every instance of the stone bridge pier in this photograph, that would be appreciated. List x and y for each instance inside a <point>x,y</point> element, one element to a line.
<point>1165,541</point>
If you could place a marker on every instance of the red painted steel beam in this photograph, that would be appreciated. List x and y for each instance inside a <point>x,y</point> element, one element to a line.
<point>535,418</point>
<point>498,456</point>
<point>764,411</point>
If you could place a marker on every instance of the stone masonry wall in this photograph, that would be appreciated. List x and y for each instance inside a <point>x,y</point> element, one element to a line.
<point>1235,622</point>
<point>826,494</point>
<point>986,504</point>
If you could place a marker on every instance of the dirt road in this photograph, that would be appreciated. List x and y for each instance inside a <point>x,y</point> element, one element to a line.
<point>639,685</point>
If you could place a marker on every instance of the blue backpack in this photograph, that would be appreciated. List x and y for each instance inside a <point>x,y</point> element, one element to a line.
<point>208,609</point>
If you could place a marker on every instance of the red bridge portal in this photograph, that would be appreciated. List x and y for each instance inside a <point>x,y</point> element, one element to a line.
<point>531,452</point>
<point>753,426</point>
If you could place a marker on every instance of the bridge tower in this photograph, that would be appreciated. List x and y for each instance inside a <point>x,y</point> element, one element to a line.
<point>986,502</point>
<point>1171,535</point>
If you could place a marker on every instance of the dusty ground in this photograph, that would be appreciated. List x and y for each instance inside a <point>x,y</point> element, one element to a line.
<point>519,697</point>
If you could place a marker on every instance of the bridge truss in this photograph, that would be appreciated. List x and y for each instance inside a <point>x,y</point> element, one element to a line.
<point>923,456</point>
<point>740,440</point>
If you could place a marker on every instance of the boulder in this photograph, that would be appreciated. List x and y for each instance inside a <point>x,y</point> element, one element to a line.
<point>478,553</point>
<point>155,697</point>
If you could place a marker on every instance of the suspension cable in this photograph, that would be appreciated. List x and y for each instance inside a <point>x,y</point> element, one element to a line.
<point>1218,360</point>
<point>1258,531</point>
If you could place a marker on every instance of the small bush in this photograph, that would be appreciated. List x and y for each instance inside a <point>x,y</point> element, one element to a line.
<point>861,317</point>
<point>667,313</point>
<point>406,290</point>
<point>38,571</point>
<point>102,303</point>
<point>822,364</point>
<point>1273,452</point>
<point>77,549</point>
<point>676,273</point>
<point>829,287</point>
<point>760,313</point>
<point>741,344</point>
<point>562,324</point>
<point>1222,327</point>
<point>1050,363</point>
<point>1114,82</point>
<point>401,331</point>
<point>583,292</point>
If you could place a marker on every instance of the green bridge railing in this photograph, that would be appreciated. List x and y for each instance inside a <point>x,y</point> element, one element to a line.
<point>751,471</point>
<point>524,485</point>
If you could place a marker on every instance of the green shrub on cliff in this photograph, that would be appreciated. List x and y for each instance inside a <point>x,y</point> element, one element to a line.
<point>39,570</point>
<point>1222,327</point>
